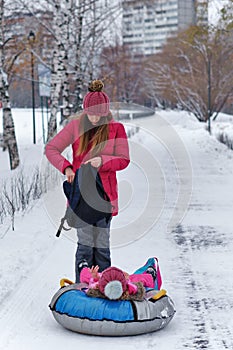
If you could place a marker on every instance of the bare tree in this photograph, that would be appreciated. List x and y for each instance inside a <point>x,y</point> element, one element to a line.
<point>79,28</point>
<point>194,71</point>
<point>9,138</point>
<point>122,72</point>
<point>93,23</point>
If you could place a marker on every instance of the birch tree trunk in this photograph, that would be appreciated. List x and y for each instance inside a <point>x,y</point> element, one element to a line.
<point>9,139</point>
<point>78,74</point>
<point>58,69</point>
<point>66,28</point>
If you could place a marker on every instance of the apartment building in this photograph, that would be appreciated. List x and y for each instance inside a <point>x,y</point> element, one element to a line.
<point>147,24</point>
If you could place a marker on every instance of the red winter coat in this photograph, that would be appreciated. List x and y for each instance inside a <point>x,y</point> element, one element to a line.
<point>115,155</point>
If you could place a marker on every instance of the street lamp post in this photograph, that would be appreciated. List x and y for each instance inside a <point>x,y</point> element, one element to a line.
<point>209,95</point>
<point>31,39</point>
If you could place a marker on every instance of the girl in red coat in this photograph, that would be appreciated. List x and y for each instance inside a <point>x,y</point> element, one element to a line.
<point>96,138</point>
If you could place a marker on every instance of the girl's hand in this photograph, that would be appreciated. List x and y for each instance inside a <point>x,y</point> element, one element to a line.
<point>94,272</point>
<point>96,162</point>
<point>69,174</point>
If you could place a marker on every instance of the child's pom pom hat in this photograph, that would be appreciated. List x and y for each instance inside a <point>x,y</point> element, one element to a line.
<point>112,283</point>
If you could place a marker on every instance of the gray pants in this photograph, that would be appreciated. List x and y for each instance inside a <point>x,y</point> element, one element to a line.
<point>93,246</point>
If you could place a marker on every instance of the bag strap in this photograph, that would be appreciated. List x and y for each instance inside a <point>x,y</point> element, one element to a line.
<point>62,227</point>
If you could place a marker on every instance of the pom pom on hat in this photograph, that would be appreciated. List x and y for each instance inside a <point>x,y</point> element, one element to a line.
<point>96,85</point>
<point>112,282</point>
<point>96,102</point>
<point>113,290</point>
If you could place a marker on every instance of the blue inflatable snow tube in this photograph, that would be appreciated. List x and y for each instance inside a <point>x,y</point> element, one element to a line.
<point>74,310</point>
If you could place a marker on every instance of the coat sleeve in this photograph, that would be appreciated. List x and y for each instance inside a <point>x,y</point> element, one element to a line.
<point>120,158</point>
<point>57,145</point>
<point>145,278</point>
<point>86,277</point>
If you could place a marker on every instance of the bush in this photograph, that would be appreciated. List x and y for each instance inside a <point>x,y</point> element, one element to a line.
<point>21,191</point>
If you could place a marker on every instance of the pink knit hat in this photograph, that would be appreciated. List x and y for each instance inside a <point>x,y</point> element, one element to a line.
<point>112,283</point>
<point>96,102</point>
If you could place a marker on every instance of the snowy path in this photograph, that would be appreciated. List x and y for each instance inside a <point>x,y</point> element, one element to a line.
<point>195,257</point>
<point>205,242</point>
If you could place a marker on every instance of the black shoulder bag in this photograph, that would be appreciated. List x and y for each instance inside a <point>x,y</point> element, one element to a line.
<point>87,200</point>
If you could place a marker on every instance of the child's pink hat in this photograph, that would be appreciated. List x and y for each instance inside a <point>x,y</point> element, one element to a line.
<point>112,283</point>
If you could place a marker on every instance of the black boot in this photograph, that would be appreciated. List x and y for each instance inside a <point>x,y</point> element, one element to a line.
<point>83,263</point>
<point>83,258</point>
<point>151,270</point>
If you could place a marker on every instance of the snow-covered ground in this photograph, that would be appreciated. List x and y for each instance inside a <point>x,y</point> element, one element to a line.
<point>176,203</point>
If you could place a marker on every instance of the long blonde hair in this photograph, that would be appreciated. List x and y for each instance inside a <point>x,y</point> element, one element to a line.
<point>96,135</point>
